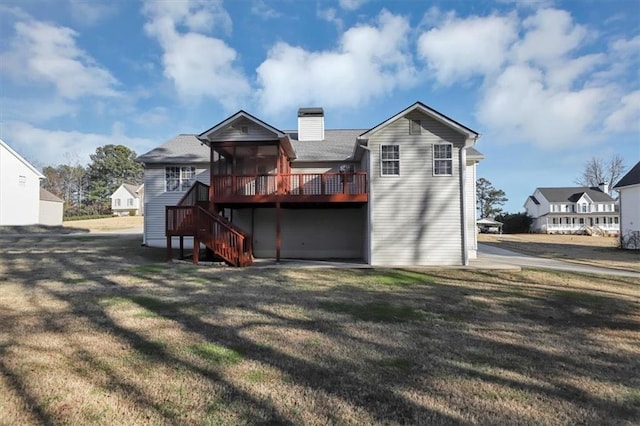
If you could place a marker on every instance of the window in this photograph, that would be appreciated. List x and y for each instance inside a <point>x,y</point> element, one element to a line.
<point>415,127</point>
<point>442,159</point>
<point>348,170</point>
<point>129,202</point>
<point>179,178</point>
<point>583,208</point>
<point>22,180</point>
<point>117,202</point>
<point>390,160</point>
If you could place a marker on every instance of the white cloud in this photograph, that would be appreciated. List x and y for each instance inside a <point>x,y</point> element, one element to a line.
<point>370,61</point>
<point>48,54</point>
<point>520,107</point>
<point>53,147</point>
<point>199,65</point>
<point>35,109</point>
<point>462,48</point>
<point>351,4</point>
<point>627,116</point>
<point>86,13</point>
<point>262,10</point>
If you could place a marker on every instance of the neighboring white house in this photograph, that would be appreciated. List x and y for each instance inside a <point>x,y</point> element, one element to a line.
<point>19,189</point>
<point>399,193</point>
<point>51,209</point>
<point>573,210</point>
<point>127,200</point>
<point>629,189</point>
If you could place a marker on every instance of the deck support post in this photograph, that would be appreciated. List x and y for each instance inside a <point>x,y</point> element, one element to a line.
<point>181,247</point>
<point>168,248</point>
<point>196,250</point>
<point>278,238</point>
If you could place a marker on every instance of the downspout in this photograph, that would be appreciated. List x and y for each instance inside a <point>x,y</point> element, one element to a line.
<point>463,199</point>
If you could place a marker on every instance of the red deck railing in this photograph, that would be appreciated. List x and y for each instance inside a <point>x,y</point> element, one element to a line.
<point>303,184</point>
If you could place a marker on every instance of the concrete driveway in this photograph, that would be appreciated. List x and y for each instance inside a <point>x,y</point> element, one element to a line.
<point>489,255</point>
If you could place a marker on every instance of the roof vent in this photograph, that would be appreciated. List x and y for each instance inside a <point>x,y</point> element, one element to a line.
<point>310,124</point>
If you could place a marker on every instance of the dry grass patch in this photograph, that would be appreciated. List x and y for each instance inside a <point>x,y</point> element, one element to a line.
<point>583,249</point>
<point>101,331</point>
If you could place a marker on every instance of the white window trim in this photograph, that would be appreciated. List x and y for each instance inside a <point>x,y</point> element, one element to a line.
<point>383,161</point>
<point>180,178</point>
<point>434,159</point>
<point>412,122</point>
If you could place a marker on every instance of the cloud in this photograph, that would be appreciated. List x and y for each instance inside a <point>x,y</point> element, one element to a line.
<point>262,10</point>
<point>462,48</point>
<point>36,109</point>
<point>537,84</point>
<point>370,61</point>
<point>351,4</point>
<point>627,117</point>
<point>86,13</point>
<point>53,147</point>
<point>199,65</point>
<point>48,54</point>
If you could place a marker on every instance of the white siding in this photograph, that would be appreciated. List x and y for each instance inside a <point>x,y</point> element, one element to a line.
<point>156,200</point>
<point>629,213</point>
<point>123,195</point>
<point>19,190</point>
<point>472,231</point>
<point>415,218</point>
<point>311,128</point>
<point>305,233</point>
<point>50,213</point>
<point>234,132</point>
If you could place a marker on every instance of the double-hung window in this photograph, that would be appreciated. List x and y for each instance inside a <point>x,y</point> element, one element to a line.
<point>390,160</point>
<point>442,159</point>
<point>179,178</point>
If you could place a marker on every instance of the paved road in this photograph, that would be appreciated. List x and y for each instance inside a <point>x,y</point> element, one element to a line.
<point>488,255</point>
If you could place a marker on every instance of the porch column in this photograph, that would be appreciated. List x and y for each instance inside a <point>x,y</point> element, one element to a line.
<point>278,239</point>
<point>211,190</point>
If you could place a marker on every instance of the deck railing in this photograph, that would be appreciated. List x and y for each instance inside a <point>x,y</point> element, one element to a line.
<point>290,184</point>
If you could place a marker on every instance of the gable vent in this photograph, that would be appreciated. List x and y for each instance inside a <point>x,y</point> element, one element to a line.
<point>310,124</point>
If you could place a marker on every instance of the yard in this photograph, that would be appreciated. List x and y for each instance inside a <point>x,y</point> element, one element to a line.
<point>98,330</point>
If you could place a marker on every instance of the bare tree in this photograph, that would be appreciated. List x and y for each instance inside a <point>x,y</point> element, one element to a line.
<point>598,170</point>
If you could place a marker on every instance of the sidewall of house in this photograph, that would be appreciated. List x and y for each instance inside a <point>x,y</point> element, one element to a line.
<point>19,191</point>
<point>415,217</point>
<point>629,213</point>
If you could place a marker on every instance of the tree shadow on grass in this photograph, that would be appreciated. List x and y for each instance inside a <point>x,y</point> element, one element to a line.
<point>441,344</point>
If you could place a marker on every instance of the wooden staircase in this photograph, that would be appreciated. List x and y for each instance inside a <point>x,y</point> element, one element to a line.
<point>190,218</point>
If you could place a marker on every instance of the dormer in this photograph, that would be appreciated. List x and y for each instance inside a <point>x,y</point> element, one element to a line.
<point>583,205</point>
<point>310,124</point>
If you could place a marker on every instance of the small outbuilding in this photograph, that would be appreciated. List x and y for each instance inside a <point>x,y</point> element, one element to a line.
<point>489,226</point>
<point>51,208</point>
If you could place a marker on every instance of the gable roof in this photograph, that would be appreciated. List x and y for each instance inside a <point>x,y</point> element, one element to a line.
<point>534,200</point>
<point>240,114</point>
<point>573,194</point>
<point>428,111</point>
<point>22,160</point>
<point>133,189</point>
<point>48,196</point>
<point>181,149</point>
<point>631,178</point>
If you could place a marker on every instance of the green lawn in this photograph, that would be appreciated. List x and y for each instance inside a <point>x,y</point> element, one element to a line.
<point>100,331</point>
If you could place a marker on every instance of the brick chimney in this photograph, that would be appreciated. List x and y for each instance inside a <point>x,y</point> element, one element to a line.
<point>310,124</point>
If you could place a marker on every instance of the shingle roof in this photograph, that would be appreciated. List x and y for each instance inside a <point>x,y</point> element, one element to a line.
<point>631,178</point>
<point>48,196</point>
<point>573,194</point>
<point>133,189</point>
<point>180,149</point>
<point>338,145</point>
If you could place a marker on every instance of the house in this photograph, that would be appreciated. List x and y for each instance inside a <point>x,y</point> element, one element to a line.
<point>399,193</point>
<point>629,189</point>
<point>51,209</point>
<point>573,210</point>
<point>19,189</point>
<point>489,226</point>
<point>127,200</point>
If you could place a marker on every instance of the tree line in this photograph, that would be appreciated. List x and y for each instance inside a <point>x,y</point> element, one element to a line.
<point>86,189</point>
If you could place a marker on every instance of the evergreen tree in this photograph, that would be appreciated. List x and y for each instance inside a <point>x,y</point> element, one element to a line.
<point>110,167</point>
<point>488,198</point>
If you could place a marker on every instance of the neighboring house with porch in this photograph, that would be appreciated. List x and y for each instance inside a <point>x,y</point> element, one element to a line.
<point>19,189</point>
<point>399,193</point>
<point>629,189</point>
<point>127,200</point>
<point>572,210</point>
